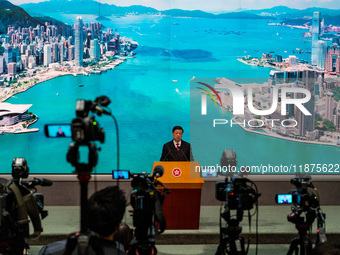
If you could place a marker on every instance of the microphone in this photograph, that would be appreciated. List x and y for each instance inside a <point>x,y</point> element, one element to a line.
<point>37,181</point>
<point>158,171</point>
<point>183,153</point>
<point>169,150</point>
<point>42,182</point>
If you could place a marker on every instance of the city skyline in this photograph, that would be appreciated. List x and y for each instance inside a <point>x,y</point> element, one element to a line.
<point>217,6</point>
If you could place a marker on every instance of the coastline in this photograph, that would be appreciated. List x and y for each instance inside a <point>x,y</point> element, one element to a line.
<point>266,131</point>
<point>43,76</point>
<point>281,137</point>
<point>3,98</point>
<point>46,75</point>
<point>259,65</point>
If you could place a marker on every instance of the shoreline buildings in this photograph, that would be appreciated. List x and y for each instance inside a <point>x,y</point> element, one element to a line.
<point>12,114</point>
<point>59,46</point>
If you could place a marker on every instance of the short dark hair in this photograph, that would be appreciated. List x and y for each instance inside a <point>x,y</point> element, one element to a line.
<point>177,127</point>
<point>106,210</point>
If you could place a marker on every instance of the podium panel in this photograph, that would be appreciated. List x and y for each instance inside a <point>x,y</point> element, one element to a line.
<point>182,206</point>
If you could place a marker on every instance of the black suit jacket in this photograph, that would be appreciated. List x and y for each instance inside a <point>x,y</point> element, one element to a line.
<point>170,153</point>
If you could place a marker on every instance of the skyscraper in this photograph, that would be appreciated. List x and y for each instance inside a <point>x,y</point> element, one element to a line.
<point>1,64</point>
<point>315,37</point>
<point>55,53</point>
<point>329,106</point>
<point>333,59</point>
<point>95,49</point>
<point>61,52</point>
<point>8,55</point>
<point>12,68</point>
<point>47,55</point>
<point>78,58</point>
<point>306,122</point>
<point>322,51</point>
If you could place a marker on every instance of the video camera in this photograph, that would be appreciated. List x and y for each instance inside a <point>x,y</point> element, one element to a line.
<point>304,200</point>
<point>302,197</point>
<point>237,193</point>
<point>147,202</point>
<point>85,129</point>
<point>19,202</point>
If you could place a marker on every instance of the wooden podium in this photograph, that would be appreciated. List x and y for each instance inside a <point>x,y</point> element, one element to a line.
<point>182,206</point>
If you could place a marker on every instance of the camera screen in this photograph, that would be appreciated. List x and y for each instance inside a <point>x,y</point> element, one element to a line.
<point>284,198</point>
<point>58,130</point>
<point>121,174</point>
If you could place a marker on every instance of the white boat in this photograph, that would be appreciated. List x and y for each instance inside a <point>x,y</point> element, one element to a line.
<point>174,81</point>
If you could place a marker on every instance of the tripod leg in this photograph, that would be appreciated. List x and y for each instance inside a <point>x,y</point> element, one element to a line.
<point>306,247</point>
<point>309,247</point>
<point>221,247</point>
<point>294,246</point>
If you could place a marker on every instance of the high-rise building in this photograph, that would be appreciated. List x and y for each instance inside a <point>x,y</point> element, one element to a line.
<point>336,121</point>
<point>2,65</point>
<point>306,122</point>
<point>71,51</point>
<point>329,106</point>
<point>47,55</point>
<point>23,48</point>
<point>322,52</point>
<point>315,37</point>
<point>95,49</point>
<point>12,68</point>
<point>61,52</point>
<point>31,61</point>
<point>333,59</point>
<point>78,27</point>
<point>55,53</point>
<point>24,60</point>
<point>8,55</point>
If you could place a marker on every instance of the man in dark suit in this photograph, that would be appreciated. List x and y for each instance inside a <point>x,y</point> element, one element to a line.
<point>177,149</point>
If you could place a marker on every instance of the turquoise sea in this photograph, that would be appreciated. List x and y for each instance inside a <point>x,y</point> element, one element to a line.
<point>147,103</point>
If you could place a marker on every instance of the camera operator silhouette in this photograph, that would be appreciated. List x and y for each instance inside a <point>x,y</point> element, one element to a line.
<point>105,213</point>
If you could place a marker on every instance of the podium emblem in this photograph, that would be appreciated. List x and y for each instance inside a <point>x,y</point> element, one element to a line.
<point>176,172</point>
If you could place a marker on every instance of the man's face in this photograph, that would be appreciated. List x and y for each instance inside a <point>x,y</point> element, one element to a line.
<point>177,134</point>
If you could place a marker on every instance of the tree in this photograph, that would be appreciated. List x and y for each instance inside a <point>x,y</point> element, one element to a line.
<point>318,118</point>
<point>329,125</point>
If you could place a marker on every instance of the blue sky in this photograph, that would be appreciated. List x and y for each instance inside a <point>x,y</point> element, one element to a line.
<point>216,5</point>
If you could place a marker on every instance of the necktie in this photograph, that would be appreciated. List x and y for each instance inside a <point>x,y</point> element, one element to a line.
<point>177,145</point>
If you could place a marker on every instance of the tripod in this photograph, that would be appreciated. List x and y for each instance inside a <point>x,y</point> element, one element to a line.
<point>303,227</point>
<point>302,240</point>
<point>230,241</point>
